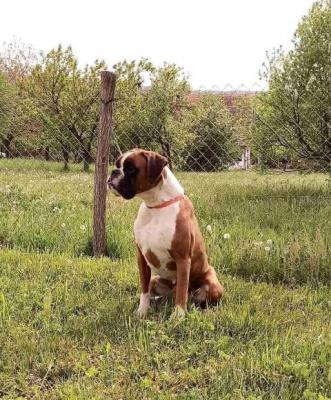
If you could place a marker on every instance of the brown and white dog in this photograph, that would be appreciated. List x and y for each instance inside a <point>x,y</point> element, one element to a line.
<point>172,257</point>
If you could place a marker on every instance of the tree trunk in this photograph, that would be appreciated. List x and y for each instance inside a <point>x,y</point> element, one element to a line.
<point>87,158</point>
<point>78,157</point>
<point>326,134</point>
<point>47,153</point>
<point>65,154</point>
<point>86,161</point>
<point>6,144</point>
<point>166,152</point>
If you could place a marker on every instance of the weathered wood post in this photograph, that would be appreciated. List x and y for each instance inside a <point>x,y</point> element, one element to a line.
<point>108,81</point>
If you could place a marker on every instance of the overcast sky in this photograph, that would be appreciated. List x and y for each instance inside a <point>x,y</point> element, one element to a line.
<point>217,42</point>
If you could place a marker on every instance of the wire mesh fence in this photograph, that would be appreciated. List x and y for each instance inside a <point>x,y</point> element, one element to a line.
<point>204,131</point>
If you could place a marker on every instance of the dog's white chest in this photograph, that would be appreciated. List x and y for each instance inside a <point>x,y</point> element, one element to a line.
<point>154,230</point>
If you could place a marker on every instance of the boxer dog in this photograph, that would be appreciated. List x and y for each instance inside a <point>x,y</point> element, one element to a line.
<point>172,258</point>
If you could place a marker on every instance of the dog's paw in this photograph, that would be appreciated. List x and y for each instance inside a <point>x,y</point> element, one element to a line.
<point>143,305</point>
<point>142,312</point>
<point>178,313</point>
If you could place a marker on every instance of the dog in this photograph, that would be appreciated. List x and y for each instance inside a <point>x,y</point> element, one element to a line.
<point>171,253</point>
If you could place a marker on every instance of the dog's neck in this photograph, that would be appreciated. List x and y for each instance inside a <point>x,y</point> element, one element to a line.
<point>167,189</point>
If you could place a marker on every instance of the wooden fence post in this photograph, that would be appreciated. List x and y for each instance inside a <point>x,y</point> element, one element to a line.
<point>108,81</point>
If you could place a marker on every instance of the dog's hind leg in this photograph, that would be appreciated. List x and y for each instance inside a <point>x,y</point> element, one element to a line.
<point>209,290</point>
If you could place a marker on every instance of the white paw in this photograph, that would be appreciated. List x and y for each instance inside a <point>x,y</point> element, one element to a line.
<point>144,305</point>
<point>178,313</point>
<point>142,312</point>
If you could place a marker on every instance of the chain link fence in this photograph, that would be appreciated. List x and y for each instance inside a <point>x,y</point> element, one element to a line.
<point>208,131</point>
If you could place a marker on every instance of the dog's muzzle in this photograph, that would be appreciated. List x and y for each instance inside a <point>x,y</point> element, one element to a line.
<point>113,181</point>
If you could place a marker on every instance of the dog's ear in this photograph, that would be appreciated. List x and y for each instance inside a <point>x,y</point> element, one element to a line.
<point>155,165</point>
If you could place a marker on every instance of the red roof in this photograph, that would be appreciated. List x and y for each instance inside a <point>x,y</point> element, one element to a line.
<point>229,97</point>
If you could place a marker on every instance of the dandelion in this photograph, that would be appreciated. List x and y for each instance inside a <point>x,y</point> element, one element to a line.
<point>82,227</point>
<point>55,209</point>
<point>258,244</point>
<point>208,228</point>
<point>267,248</point>
<point>269,242</point>
<point>226,236</point>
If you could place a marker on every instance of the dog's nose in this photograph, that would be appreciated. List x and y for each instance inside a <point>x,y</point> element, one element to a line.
<point>113,175</point>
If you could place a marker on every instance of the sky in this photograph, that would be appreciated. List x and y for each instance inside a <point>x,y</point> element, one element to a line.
<point>220,44</point>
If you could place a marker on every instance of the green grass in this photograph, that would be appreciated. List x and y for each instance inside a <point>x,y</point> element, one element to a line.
<point>68,328</point>
<point>68,331</point>
<point>45,210</point>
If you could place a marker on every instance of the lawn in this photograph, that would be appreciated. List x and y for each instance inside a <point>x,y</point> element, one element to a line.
<point>279,224</point>
<point>67,324</point>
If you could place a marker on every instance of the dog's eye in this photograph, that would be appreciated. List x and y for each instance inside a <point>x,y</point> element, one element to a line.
<point>130,169</point>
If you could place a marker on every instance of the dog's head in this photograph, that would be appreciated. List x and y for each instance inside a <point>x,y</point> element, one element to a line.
<point>136,172</point>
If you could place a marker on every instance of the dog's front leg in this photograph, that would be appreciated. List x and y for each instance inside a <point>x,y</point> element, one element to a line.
<point>183,276</point>
<point>145,277</point>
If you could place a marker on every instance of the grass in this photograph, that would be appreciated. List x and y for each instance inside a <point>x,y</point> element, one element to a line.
<point>68,331</point>
<point>46,210</point>
<point>68,328</point>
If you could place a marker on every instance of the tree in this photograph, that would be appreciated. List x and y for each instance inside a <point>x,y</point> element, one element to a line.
<point>130,112</point>
<point>67,103</point>
<point>293,118</point>
<point>242,112</point>
<point>4,115</point>
<point>213,144</point>
<point>16,125</point>
<point>17,59</point>
<point>166,102</point>
<point>149,116</point>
